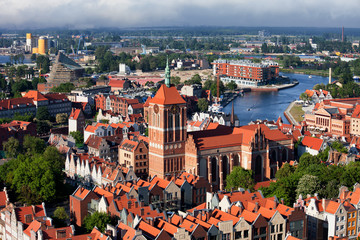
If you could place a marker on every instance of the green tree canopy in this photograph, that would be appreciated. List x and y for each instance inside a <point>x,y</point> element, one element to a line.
<point>203,105</point>
<point>100,220</point>
<point>308,184</point>
<point>42,113</point>
<point>240,177</point>
<point>33,145</point>
<point>61,118</point>
<point>78,136</point>
<point>231,85</point>
<point>12,147</point>
<point>35,177</point>
<point>60,217</point>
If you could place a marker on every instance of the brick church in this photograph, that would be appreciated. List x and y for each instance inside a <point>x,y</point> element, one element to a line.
<point>211,153</point>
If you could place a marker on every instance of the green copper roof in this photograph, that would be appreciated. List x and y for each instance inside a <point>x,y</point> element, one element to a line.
<point>167,73</point>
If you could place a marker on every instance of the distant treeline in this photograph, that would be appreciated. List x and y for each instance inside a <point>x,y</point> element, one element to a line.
<point>198,31</point>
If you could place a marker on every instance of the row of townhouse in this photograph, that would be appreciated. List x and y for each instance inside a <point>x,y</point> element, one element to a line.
<point>266,217</point>
<point>104,130</point>
<point>33,223</point>
<point>94,170</point>
<point>333,218</point>
<point>210,224</point>
<point>118,105</point>
<point>156,193</point>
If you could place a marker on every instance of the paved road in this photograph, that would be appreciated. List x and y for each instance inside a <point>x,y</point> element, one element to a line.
<point>291,118</point>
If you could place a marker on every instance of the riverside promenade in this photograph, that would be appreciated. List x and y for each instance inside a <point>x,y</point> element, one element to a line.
<point>288,115</point>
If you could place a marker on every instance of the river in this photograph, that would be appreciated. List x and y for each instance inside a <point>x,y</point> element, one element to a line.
<point>6,58</point>
<point>271,105</point>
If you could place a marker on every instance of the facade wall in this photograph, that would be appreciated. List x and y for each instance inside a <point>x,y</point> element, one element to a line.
<point>167,135</point>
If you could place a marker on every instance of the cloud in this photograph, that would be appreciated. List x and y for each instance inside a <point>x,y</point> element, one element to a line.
<point>135,13</point>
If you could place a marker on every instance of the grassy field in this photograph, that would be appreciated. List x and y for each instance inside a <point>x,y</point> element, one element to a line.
<point>297,112</point>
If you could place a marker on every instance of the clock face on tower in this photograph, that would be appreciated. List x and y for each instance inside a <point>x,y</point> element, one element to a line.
<point>156,108</point>
<point>174,109</point>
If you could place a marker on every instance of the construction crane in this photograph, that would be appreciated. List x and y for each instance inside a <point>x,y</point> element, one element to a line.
<point>83,40</point>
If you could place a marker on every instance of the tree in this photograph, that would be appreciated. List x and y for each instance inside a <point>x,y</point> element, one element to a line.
<point>64,88</point>
<point>203,104</point>
<point>43,127</point>
<point>231,85</point>
<point>196,79</point>
<point>308,184</point>
<point>33,145</point>
<point>285,171</point>
<point>240,177</point>
<point>61,118</point>
<point>78,136</point>
<point>11,147</point>
<point>175,80</point>
<point>42,113</point>
<point>100,220</point>
<point>60,217</point>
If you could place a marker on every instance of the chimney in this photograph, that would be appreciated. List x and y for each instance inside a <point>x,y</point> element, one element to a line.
<point>181,219</point>
<point>207,216</point>
<point>129,204</point>
<point>150,220</point>
<point>256,207</point>
<point>323,203</point>
<point>136,204</point>
<point>275,204</point>
<point>142,211</point>
<point>142,203</point>
<point>282,201</point>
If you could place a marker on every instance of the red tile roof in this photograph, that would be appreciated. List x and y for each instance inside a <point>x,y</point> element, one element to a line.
<point>81,192</point>
<point>313,143</point>
<point>93,141</point>
<point>3,198</point>
<point>37,96</point>
<point>167,96</point>
<point>74,114</point>
<point>116,83</point>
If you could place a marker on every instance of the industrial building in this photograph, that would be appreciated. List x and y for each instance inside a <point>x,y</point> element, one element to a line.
<point>37,45</point>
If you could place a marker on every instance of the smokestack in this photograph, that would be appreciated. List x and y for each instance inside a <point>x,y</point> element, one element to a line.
<point>342,35</point>
<point>329,75</point>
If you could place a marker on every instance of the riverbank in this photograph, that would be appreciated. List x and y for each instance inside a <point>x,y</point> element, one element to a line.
<point>322,73</point>
<point>289,115</point>
<point>274,88</point>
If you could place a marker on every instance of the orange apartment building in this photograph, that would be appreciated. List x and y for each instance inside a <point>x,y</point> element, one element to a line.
<point>245,72</point>
<point>336,116</point>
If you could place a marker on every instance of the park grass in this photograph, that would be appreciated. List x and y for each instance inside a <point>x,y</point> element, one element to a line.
<point>297,112</point>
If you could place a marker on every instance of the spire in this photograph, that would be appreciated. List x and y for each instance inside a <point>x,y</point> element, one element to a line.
<point>167,73</point>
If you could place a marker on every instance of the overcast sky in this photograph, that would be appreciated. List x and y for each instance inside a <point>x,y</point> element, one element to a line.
<point>22,14</point>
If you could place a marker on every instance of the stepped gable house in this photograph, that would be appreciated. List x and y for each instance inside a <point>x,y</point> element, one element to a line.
<point>212,153</point>
<point>64,70</point>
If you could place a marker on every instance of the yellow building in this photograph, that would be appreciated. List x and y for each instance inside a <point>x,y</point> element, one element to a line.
<point>42,45</point>
<point>35,50</point>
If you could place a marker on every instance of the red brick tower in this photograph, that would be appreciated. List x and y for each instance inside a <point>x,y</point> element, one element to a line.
<point>167,132</point>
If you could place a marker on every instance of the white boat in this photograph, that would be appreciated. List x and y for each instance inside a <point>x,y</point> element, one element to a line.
<point>216,107</point>
<point>310,76</point>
